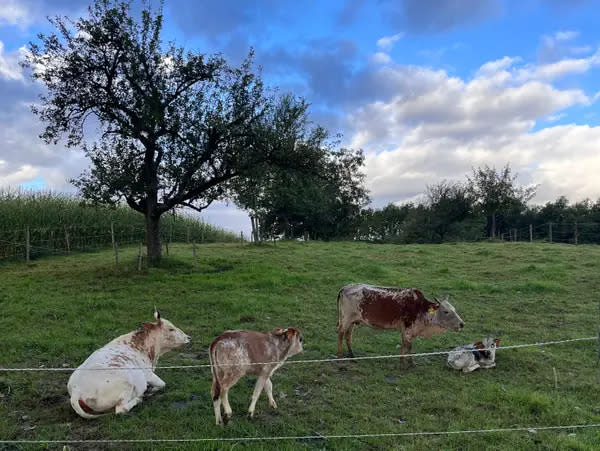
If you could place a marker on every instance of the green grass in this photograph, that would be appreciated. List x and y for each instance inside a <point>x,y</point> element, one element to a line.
<point>56,311</point>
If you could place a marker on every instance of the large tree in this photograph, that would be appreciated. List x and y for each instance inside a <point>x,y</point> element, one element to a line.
<point>173,127</point>
<point>495,192</point>
<point>449,203</point>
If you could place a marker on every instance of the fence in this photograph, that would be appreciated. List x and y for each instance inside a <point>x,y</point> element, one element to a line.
<point>30,243</point>
<point>529,429</point>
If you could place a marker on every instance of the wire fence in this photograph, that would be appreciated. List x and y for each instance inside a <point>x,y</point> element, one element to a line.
<point>304,361</point>
<point>32,243</point>
<point>529,429</point>
<point>563,232</point>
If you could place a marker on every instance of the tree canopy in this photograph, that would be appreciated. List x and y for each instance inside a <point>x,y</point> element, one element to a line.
<point>174,127</point>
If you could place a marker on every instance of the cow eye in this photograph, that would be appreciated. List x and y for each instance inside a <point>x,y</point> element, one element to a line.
<point>446,312</point>
<point>171,330</point>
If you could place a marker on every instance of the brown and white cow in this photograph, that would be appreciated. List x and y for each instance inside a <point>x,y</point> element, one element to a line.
<point>235,353</point>
<point>106,382</point>
<point>392,308</point>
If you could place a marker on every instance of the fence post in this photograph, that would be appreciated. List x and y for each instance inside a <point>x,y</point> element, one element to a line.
<point>531,233</point>
<point>67,242</point>
<point>27,244</point>
<point>241,237</point>
<point>188,234</point>
<point>140,257</point>
<point>194,252</point>
<point>550,231</point>
<point>114,242</point>
<point>575,233</point>
<point>202,236</point>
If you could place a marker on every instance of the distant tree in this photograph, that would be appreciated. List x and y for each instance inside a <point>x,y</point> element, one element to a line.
<point>449,203</point>
<point>175,127</point>
<point>495,191</point>
<point>323,203</point>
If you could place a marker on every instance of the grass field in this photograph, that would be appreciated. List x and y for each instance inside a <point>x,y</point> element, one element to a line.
<point>56,311</point>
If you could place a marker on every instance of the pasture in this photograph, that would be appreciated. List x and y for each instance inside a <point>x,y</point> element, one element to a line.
<point>56,311</point>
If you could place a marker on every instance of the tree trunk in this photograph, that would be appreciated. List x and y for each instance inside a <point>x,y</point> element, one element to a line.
<point>493,227</point>
<point>153,243</point>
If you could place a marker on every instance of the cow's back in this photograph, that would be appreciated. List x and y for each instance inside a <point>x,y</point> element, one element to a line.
<point>383,307</point>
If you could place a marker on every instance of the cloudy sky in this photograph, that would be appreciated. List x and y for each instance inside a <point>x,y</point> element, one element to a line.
<point>428,88</point>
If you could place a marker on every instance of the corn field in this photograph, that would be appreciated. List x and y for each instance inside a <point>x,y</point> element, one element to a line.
<point>36,223</point>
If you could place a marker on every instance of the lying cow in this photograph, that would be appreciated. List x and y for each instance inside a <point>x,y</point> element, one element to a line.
<point>235,353</point>
<point>477,355</point>
<point>392,308</point>
<point>100,385</point>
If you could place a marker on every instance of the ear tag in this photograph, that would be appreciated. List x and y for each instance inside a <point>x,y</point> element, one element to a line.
<point>431,310</point>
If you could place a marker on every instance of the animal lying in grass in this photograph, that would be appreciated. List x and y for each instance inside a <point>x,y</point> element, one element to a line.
<point>477,355</point>
<point>235,353</point>
<point>100,385</point>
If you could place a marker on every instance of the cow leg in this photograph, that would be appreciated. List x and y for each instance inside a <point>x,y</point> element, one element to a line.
<point>468,369</point>
<point>217,407</point>
<point>406,348</point>
<point>269,392</point>
<point>258,388</point>
<point>125,406</point>
<point>226,406</point>
<point>349,340</point>
<point>155,382</point>
<point>340,341</point>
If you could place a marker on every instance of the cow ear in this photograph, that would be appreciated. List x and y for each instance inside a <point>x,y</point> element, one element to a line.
<point>290,332</point>
<point>437,301</point>
<point>156,314</point>
<point>479,345</point>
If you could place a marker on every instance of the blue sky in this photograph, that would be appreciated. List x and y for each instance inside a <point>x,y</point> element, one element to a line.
<point>428,88</point>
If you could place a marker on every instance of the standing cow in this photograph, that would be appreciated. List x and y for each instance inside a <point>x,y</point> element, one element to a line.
<point>107,380</point>
<point>235,353</point>
<point>392,308</point>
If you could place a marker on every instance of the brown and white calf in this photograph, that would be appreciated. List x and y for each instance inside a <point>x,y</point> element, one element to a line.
<point>107,382</point>
<point>235,353</point>
<point>392,308</point>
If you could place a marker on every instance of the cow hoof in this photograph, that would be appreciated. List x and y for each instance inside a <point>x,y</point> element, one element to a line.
<point>226,419</point>
<point>273,404</point>
<point>251,415</point>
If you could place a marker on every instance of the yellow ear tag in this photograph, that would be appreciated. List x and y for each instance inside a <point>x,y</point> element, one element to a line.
<point>431,310</point>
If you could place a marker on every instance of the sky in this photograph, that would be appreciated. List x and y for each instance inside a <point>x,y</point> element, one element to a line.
<point>429,89</point>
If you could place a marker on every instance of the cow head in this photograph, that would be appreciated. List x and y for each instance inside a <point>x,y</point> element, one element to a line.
<point>167,335</point>
<point>489,344</point>
<point>445,316</point>
<point>294,338</point>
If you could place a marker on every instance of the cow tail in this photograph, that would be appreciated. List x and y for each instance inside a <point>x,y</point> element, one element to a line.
<point>215,390</point>
<point>78,405</point>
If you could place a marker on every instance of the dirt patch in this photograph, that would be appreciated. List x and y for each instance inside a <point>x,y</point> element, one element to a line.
<point>247,319</point>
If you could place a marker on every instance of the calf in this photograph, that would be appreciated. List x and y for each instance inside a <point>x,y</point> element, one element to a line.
<point>107,380</point>
<point>477,355</point>
<point>235,353</point>
<point>392,308</point>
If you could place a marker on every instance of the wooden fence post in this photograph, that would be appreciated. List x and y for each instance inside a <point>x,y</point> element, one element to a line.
<point>241,237</point>
<point>194,252</point>
<point>531,233</point>
<point>550,231</point>
<point>27,244</point>
<point>188,234</point>
<point>114,242</point>
<point>575,233</point>
<point>140,257</point>
<point>67,242</point>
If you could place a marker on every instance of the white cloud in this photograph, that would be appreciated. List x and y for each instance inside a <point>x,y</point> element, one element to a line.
<point>9,65</point>
<point>387,42</point>
<point>381,58</point>
<point>453,124</point>
<point>567,35</point>
<point>13,13</point>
